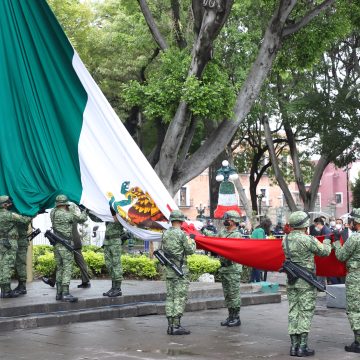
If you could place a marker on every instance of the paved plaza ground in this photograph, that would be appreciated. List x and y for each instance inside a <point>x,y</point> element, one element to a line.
<point>262,335</point>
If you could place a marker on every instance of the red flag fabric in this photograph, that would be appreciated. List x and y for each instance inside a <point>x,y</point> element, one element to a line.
<point>264,254</point>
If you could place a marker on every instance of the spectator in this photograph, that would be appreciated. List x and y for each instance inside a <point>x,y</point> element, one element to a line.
<point>320,228</point>
<point>243,230</point>
<point>278,231</point>
<point>260,232</point>
<point>332,224</point>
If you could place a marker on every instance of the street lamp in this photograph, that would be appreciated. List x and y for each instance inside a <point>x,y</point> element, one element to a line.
<point>226,172</point>
<point>227,199</point>
<point>201,211</point>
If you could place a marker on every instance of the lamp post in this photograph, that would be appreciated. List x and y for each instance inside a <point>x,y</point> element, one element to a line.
<point>201,211</point>
<point>227,199</point>
<point>226,172</point>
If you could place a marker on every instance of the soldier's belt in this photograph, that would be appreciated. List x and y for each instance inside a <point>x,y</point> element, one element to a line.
<point>107,237</point>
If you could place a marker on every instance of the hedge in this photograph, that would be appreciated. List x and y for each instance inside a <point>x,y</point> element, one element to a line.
<point>134,266</point>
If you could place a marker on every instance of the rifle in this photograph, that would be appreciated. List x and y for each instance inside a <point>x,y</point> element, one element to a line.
<point>295,271</point>
<point>165,261</point>
<point>55,238</point>
<point>33,234</point>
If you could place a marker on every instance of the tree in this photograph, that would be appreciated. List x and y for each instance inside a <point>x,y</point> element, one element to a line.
<point>200,68</point>
<point>321,111</point>
<point>355,188</point>
<point>288,17</point>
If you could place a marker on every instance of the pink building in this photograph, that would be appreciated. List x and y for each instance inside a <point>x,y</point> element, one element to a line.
<point>335,192</point>
<point>332,194</point>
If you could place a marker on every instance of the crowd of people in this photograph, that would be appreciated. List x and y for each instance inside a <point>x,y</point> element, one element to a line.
<point>298,244</point>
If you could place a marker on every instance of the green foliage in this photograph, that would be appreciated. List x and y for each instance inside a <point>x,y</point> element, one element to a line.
<point>45,264</point>
<point>139,267</point>
<point>355,188</point>
<point>200,264</point>
<point>39,250</point>
<point>94,248</point>
<point>95,261</point>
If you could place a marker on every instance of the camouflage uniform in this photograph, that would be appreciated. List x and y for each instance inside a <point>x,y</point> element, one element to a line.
<point>21,257</point>
<point>301,295</point>
<point>230,274</point>
<point>112,255</point>
<point>176,246</point>
<point>62,220</point>
<point>8,245</point>
<point>350,253</point>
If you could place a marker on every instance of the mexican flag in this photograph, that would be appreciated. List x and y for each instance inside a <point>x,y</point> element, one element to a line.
<point>59,134</point>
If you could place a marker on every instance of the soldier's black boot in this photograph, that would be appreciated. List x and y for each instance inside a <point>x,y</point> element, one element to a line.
<point>84,285</point>
<point>109,291</point>
<point>177,329</point>
<point>66,296</point>
<point>235,318</point>
<point>226,321</point>
<point>21,288</point>
<point>48,281</point>
<point>294,344</point>
<point>117,289</point>
<point>355,346</point>
<point>58,291</point>
<point>303,349</point>
<point>170,325</point>
<point>7,293</point>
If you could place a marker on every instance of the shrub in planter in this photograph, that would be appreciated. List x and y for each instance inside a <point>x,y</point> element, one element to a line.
<point>139,267</point>
<point>95,262</point>
<point>97,249</point>
<point>45,264</point>
<point>200,264</point>
<point>39,250</point>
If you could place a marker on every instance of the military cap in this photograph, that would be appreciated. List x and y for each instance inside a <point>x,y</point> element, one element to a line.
<point>176,215</point>
<point>299,220</point>
<point>232,215</point>
<point>61,200</point>
<point>355,214</point>
<point>4,199</point>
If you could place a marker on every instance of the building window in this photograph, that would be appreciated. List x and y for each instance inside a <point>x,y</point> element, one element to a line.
<point>182,197</point>
<point>265,198</point>
<point>339,198</point>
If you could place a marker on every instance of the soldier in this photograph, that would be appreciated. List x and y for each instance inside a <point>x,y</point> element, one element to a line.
<point>350,253</point>
<point>62,220</point>
<point>8,244</point>
<point>21,257</point>
<point>230,271</point>
<point>176,246</point>
<point>301,295</point>
<point>78,256</point>
<point>112,254</point>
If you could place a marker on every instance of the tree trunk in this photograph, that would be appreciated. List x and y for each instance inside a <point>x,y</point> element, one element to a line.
<point>219,139</point>
<point>275,165</point>
<point>213,184</point>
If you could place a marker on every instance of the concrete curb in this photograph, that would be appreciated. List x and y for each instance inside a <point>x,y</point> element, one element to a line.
<point>43,315</point>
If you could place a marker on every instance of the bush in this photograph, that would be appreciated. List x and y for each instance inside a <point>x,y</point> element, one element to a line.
<point>95,262</point>
<point>97,249</point>
<point>45,264</point>
<point>200,264</point>
<point>39,250</point>
<point>139,267</point>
